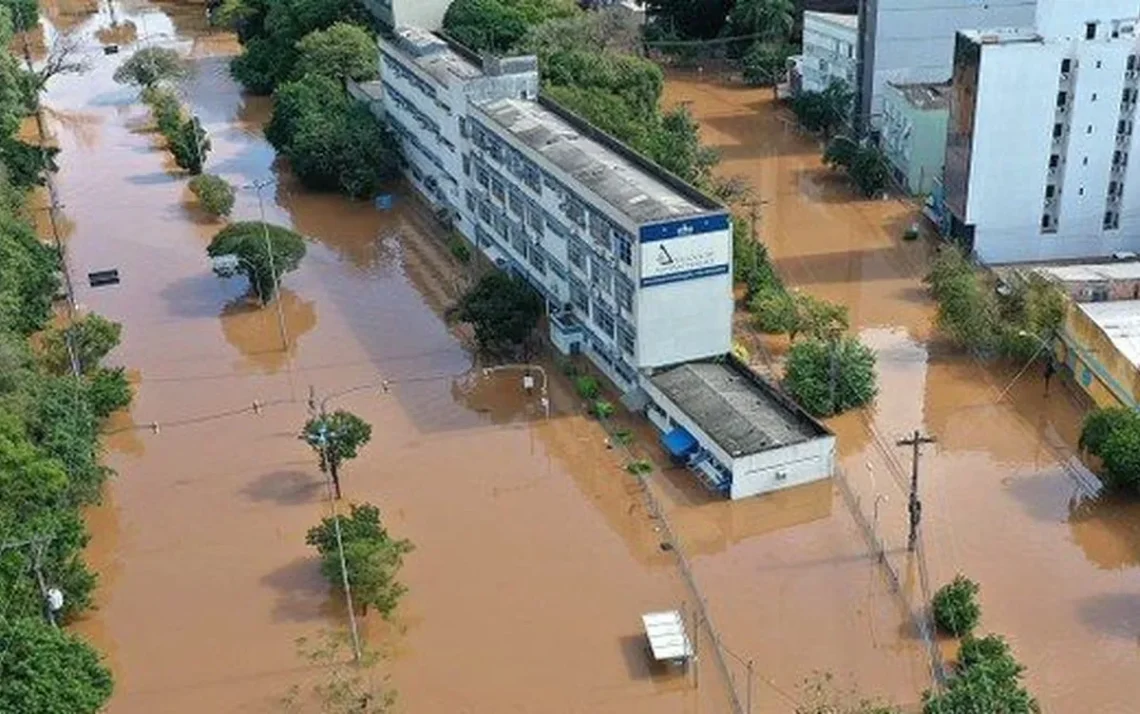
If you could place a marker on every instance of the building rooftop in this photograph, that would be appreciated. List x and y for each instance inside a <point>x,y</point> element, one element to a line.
<point>741,412</point>
<point>925,95</point>
<point>849,21</point>
<point>1120,321</point>
<point>623,181</point>
<point>1002,35</point>
<point>1092,272</point>
<point>435,56</point>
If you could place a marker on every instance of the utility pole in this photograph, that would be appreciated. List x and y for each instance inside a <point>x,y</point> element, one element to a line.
<point>916,440</point>
<point>257,186</point>
<point>322,438</point>
<point>52,598</point>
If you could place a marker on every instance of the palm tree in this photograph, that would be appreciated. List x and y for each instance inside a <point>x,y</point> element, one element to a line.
<point>771,18</point>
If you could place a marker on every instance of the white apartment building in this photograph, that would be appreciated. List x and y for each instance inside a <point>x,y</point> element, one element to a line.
<point>912,41</point>
<point>635,265</point>
<point>427,14</point>
<point>830,52</point>
<point>1040,135</point>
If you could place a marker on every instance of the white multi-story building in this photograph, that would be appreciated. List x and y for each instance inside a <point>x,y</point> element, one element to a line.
<point>909,41</point>
<point>635,265</point>
<point>830,52</point>
<point>427,14</point>
<point>1040,135</point>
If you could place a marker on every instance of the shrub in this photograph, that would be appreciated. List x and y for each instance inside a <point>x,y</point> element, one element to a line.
<point>151,65</point>
<point>459,248</point>
<point>189,145</point>
<point>766,63</point>
<point>955,606</point>
<point>1099,424</point>
<point>639,467</point>
<point>247,240</point>
<point>587,387</point>
<point>503,310</point>
<point>165,108</point>
<point>214,193</point>
<point>108,391</point>
<point>603,409</point>
<point>623,437</point>
<point>830,377</point>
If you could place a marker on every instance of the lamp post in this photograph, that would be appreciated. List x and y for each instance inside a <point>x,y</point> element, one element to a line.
<point>257,186</point>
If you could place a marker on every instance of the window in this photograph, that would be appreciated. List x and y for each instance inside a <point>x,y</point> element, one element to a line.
<point>577,257</point>
<point>517,203</point>
<point>1058,130</point>
<point>481,176</point>
<point>1116,158</point>
<point>1054,161</point>
<point>470,198</point>
<point>1112,187</point>
<point>497,189</point>
<point>1062,98</point>
<point>1098,64</point>
<point>1110,220</point>
<point>534,216</point>
<point>1093,96</point>
<point>600,231</point>
<point>625,338</point>
<point>1066,65</point>
<point>463,127</point>
<point>1090,30</point>
<point>1081,191</point>
<point>604,319</point>
<point>1131,64</point>
<point>538,260</point>
<point>601,276</point>
<point>466,165</point>
<point>1050,191</point>
<point>580,297</point>
<point>575,211</point>
<point>1121,126</point>
<point>518,240</point>
<point>624,292</point>
<point>1089,129</point>
<point>625,249</point>
<point>1085,161</point>
<point>485,212</point>
<point>1046,221</point>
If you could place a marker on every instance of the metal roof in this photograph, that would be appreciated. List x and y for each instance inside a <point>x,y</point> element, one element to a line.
<point>612,177</point>
<point>1120,321</point>
<point>741,413</point>
<point>433,55</point>
<point>667,636</point>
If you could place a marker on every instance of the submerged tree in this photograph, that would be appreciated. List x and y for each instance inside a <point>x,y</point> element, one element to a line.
<point>214,193</point>
<point>150,66</point>
<point>829,377</point>
<point>503,310</point>
<point>341,684</point>
<point>92,337</point>
<point>372,557</point>
<point>336,438</point>
<point>262,253</point>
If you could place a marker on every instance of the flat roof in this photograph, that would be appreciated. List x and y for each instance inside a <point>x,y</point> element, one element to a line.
<point>1120,321</point>
<point>740,411</point>
<point>1002,35</point>
<point>925,95</point>
<point>616,179</point>
<point>433,55</point>
<point>1092,272</point>
<point>851,21</point>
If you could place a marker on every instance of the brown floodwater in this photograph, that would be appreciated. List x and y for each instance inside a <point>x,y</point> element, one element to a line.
<point>534,554</point>
<point>1006,500</point>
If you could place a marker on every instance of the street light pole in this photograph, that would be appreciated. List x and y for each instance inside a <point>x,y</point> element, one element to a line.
<point>322,439</point>
<point>545,399</point>
<point>257,186</point>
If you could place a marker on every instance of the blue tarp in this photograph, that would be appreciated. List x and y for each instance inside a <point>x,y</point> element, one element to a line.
<point>679,442</point>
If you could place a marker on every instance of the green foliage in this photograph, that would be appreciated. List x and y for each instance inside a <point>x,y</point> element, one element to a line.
<point>92,337</point>
<point>342,51</point>
<point>214,193</point>
<point>332,142</point>
<point>1120,455</point>
<point>1100,424</point>
<point>503,310</point>
<point>602,409</point>
<point>336,438</point>
<point>108,390</point>
<point>498,25</point>
<point>587,387</point>
<point>372,557</point>
<point>687,19</point>
<point>151,65</point>
<point>771,18</point>
<point>840,152</point>
<point>623,437</point>
<point>189,145</point>
<point>826,111</point>
<point>165,108</point>
<point>869,171</point>
<point>48,671</point>
<point>27,165</point>
<point>776,311</point>
<point>342,684</point>
<point>955,606</point>
<point>766,63</point>
<point>606,30</point>
<point>639,467</point>
<point>263,64</point>
<point>817,369</point>
<point>750,262</point>
<point>248,241</point>
<point>24,14</point>
<point>459,248</point>
<point>28,274</point>
<point>988,680</point>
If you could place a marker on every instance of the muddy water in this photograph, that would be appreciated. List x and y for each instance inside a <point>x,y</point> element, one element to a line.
<point>534,558</point>
<point>1005,499</point>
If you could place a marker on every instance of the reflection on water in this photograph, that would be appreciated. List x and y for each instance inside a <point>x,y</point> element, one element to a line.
<point>1107,527</point>
<point>255,330</point>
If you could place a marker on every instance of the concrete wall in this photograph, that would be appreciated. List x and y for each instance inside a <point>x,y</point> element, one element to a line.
<point>830,51</point>
<point>913,40</point>
<point>1108,377</point>
<point>783,468</point>
<point>913,140</point>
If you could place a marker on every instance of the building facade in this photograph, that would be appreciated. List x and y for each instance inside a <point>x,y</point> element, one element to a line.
<point>913,133</point>
<point>427,14</point>
<point>913,41</point>
<point>634,264</point>
<point>1041,134</point>
<point>830,45</point>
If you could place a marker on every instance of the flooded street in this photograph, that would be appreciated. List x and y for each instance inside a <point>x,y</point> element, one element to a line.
<point>1005,499</point>
<point>534,556</point>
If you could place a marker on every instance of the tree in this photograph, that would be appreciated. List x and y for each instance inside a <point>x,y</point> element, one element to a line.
<point>1120,455</point>
<point>150,66</point>
<point>766,63</point>
<point>503,310</point>
<point>498,25</point>
<point>776,311</point>
<point>165,108</point>
<point>214,193</point>
<point>869,170</point>
<point>967,309</point>
<point>25,14</point>
<point>92,337</point>
<point>1100,424</point>
<point>189,144</point>
<point>108,390</point>
<point>988,680</point>
<point>347,151</point>
<point>771,18</point>
<point>955,606</point>
<point>372,557</point>
<point>608,30</point>
<point>687,19</point>
<point>49,671</point>
<point>840,152</point>
<point>336,438</point>
<point>677,147</point>
<point>311,95</point>
<point>342,51</point>
<point>28,273</point>
<point>248,241</point>
<point>343,686</point>
<point>825,111</point>
<point>830,377</point>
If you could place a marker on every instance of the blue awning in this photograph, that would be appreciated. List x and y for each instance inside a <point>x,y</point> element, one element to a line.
<point>679,442</point>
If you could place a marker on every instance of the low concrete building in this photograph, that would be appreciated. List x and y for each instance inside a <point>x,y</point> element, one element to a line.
<point>736,431</point>
<point>913,134</point>
<point>1100,346</point>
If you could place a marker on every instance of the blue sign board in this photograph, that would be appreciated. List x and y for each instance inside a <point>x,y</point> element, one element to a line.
<point>683,227</point>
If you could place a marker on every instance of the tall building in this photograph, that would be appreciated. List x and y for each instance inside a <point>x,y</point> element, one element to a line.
<point>830,45</point>
<point>427,14</point>
<point>909,41</point>
<point>1041,132</point>
<point>634,264</point>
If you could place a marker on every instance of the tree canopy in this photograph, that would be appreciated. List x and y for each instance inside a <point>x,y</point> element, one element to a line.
<point>151,65</point>
<point>955,606</point>
<point>48,671</point>
<point>336,438</point>
<point>372,557</point>
<point>771,18</point>
<point>503,310</point>
<point>830,377</point>
<point>1113,434</point>
<point>342,51</point>
<point>265,251</point>
<point>92,336</point>
<point>214,193</point>
<point>498,25</point>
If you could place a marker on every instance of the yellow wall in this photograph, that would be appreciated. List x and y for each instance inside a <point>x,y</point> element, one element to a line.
<point>1106,375</point>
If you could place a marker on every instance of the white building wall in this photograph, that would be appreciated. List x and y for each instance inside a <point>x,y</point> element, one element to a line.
<point>913,40</point>
<point>830,51</point>
<point>784,467</point>
<point>1017,109</point>
<point>427,14</point>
